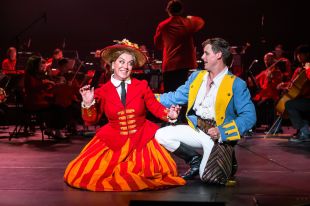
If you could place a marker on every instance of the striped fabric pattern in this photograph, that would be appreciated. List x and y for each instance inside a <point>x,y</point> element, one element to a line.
<point>98,168</point>
<point>219,166</point>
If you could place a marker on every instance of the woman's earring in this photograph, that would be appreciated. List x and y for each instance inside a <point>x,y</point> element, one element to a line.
<point>112,67</point>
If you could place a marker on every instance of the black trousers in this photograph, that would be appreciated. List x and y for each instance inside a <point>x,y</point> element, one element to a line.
<point>298,111</point>
<point>173,79</point>
<point>265,112</point>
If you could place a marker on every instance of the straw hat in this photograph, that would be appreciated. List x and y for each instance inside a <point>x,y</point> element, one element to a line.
<point>107,53</point>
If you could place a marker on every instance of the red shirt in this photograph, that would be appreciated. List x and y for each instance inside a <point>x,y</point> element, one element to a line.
<point>36,95</point>
<point>175,37</point>
<point>8,66</point>
<point>268,81</point>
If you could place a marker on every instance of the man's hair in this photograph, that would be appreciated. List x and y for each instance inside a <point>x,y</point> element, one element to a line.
<point>269,54</point>
<point>220,45</point>
<point>279,46</point>
<point>303,49</point>
<point>57,51</point>
<point>175,7</point>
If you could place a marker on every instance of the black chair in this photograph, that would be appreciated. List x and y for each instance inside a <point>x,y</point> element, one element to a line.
<point>26,119</point>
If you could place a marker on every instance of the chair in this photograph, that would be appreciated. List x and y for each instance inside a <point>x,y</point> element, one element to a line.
<point>27,118</point>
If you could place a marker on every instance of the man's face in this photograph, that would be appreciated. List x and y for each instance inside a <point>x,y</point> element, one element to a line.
<point>278,52</point>
<point>268,60</point>
<point>301,58</point>
<point>209,58</point>
<point>13,54</point>
<point>58,56</point>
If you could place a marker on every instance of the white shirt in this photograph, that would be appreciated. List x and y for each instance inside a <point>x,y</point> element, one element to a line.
<point>204,105</point>
<point>117,84</point>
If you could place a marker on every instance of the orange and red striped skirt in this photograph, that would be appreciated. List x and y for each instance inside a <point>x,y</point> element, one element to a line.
<point>98,168</point>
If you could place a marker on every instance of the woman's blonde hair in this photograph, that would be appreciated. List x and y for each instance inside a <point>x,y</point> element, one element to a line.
<point>118,53</point>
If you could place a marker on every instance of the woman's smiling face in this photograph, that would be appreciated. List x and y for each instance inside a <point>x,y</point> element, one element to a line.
<point>123,66</point>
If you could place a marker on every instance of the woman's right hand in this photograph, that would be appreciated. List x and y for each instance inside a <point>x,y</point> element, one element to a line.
<point>87,94</point>
<point>282,86</point>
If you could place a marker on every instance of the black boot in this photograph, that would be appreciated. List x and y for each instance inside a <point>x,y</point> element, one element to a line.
<point>191,157</point>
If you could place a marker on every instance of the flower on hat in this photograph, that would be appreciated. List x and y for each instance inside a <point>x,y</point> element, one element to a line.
<point>127,43</point>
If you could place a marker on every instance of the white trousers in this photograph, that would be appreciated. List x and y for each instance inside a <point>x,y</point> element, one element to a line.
<point>171,137</point>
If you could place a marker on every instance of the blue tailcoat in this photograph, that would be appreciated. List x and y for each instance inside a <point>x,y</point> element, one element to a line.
<point>234,111</point>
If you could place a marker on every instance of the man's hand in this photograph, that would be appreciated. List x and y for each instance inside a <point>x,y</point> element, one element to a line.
<point>214,133</point>
<point>174,112</point>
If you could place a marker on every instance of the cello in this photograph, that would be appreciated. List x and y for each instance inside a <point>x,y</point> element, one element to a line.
<point>293,91</point>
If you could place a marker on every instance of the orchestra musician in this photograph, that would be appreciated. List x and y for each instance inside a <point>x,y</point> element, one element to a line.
<point>298,109</point>
<point>65,96</point>
<point>9,64</point>
<point>36,84</point>
<point>65,105</point>
<point>52,63</point>
<point>284,64</point>
<point>267,81</point>
<point>38,97</point>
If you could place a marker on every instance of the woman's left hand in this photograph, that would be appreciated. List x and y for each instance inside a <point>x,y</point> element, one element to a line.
<point>174,112</point>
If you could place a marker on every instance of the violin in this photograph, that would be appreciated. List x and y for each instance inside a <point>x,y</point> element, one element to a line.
<point>272,69</point>
<point>3,95</point>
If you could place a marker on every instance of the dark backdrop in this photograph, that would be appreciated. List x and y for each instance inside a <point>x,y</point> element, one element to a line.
<point>87,25</point>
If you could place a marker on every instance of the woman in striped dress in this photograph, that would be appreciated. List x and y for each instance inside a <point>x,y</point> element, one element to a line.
<point>123,155</point>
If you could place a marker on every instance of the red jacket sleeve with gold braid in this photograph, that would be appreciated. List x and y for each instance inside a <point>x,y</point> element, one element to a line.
<point>155,107</point>
<point>308,73</point>
<point>92,115</point>
<point>89,115</point>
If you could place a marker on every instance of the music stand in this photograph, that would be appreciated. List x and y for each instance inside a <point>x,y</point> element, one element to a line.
<point>22,59</point>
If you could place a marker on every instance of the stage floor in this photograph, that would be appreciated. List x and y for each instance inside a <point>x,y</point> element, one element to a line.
<point>272,171</point>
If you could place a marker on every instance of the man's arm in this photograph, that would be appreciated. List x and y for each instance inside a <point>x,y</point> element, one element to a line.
<point>178,97</point>
<point>245,114</point>
<point>158,42</point>
<point>196,22</point>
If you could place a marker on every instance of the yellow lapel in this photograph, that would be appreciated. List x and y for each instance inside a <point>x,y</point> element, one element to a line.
<point>223,98</point>
<point>193,91</point>
<point>194,88</point>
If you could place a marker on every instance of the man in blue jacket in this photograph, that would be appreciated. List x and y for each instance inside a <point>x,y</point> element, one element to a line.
<point>219,109</point>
